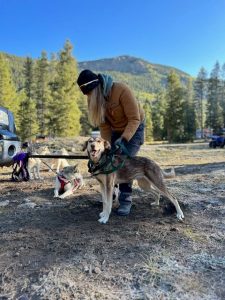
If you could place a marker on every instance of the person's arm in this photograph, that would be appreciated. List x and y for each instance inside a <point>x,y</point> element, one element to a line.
<point>132,112</point>
<point>106,131</point>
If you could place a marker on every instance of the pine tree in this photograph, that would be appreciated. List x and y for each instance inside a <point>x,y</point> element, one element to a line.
<point>27,114</point>
<point>200,97</point>
<point>214,109</point>
<point>174,109</point>
<point>42,93</point>
<point>86,127</point>
<point>64,118</point>
<point>223,92</point>
<point>148,121</point>
<point>8,95</point>
<point>189,120</point>
<point>158,116</point>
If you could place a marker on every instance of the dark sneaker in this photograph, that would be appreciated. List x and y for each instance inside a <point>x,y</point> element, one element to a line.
<point>124,208</point>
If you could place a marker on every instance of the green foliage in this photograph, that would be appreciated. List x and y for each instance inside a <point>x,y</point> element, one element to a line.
<point>148,122</point>
<point>200,98</point>
<point>140,75</point>
<point>143,96</point>
<point>214,108</point>
<point>223,92</point>
<point>86,127</point>
<point>158,116</point>
<point>16,65</point>
<point>47,89</point>
<point>174,109</point>
<point>42,92</point>
<point>189,116</point>
<point>28,126</point>
<point>8,96</point>
<point>64,117</point>
<point>59,105</point>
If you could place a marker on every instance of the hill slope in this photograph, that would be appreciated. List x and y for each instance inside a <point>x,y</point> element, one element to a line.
<point>142,76</point>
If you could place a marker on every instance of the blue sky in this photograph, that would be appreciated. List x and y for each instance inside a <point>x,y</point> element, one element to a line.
<point>185,34</point>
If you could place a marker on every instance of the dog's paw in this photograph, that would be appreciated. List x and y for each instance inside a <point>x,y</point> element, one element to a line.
<point>56,193</point>
<point>104,219</point>
<point>156,203</point>
<point>180,216</point>
<point>102,214</point>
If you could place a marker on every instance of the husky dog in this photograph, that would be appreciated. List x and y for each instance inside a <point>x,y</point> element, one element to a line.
<point>60,163</point>
<point>55,163</point>
<point>34,167</point>
<point>67,181</point>
<point>116,190</point>
<point>52,163</point>
<point>34,164</point>
<point>148,174</point>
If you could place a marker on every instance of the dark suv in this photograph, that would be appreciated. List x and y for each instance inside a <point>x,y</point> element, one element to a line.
<point>217,141</point>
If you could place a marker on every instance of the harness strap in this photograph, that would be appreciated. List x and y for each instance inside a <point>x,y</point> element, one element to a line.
<point>76,183</point>
<point>93,168</point>
<point>63,181</point>
<point>108,165</point>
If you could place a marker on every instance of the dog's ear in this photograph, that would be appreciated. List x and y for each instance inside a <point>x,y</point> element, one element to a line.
<point>107,145</point>
<point>85,146</point>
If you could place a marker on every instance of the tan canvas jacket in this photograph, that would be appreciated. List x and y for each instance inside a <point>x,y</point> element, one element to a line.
<point>123,113</point>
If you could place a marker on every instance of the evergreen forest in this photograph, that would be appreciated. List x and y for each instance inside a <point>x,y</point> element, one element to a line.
<point>45,99</point>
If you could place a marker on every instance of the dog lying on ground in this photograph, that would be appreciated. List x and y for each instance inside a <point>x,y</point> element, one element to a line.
<point>148,174</point>
<point>67,181</point>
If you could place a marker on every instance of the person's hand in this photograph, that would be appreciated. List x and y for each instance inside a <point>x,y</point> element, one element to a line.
<point>119,142</point>
<point>120,146</point>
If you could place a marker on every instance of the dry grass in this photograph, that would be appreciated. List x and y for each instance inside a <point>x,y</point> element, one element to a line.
<point>59,251</point>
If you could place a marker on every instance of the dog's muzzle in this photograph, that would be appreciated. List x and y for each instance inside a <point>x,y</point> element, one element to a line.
<point>94,152</point>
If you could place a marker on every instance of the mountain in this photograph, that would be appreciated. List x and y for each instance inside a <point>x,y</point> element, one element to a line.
<point>128,64</point>
<point>143,77</point>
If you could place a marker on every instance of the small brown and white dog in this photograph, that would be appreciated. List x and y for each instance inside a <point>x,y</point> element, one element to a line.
<point>148,174</point>
<point>67,181</point>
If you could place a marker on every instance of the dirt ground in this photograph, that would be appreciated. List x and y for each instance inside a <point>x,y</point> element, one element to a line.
<point>56,249</point>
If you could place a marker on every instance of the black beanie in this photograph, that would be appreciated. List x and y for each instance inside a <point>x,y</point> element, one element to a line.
<point>87,81</point>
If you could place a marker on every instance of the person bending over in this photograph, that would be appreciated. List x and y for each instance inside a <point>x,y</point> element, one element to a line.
<point>113,108</point>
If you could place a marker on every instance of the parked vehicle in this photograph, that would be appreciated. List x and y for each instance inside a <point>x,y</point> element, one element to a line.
<point>217,141</point>
<point>9,141</point>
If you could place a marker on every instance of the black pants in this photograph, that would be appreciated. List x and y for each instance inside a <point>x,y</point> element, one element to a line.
<point>133,146</point>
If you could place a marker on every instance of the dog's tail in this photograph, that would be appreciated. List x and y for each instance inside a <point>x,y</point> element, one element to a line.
<point>170,174</point>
